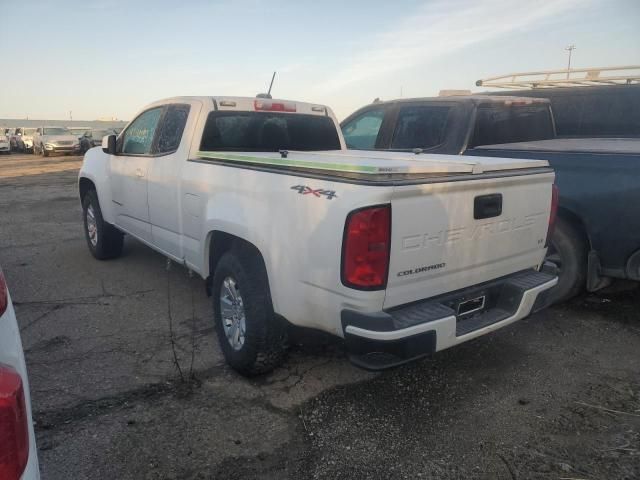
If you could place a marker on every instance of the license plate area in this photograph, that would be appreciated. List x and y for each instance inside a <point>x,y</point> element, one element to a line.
<point>471,306</point>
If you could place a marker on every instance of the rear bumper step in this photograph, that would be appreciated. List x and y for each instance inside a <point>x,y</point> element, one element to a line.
<point>380,340</point>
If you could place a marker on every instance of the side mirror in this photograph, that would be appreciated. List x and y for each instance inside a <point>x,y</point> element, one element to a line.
<point>109,144</point>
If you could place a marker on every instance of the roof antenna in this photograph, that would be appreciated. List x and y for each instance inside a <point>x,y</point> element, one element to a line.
<point>268,94</point>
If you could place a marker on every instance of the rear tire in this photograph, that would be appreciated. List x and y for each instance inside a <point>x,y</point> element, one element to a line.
<point>261,347</point>
<point>104,240</point>
<point>568,251</point>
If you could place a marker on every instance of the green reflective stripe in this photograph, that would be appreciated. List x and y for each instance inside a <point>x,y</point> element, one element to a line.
<point>290,162</point>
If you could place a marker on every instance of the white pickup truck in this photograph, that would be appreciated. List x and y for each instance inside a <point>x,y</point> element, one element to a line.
<point>401,254</point>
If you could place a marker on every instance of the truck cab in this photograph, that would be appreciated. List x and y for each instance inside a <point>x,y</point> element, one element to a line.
<point>448,125</point>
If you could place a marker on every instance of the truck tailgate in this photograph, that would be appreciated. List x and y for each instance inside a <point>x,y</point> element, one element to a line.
<point>452,235</point>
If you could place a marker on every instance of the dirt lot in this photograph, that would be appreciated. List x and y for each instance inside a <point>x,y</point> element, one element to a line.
<point>554,396</point>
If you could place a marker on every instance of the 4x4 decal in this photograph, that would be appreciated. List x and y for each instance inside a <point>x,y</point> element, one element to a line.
<point>318,192</point>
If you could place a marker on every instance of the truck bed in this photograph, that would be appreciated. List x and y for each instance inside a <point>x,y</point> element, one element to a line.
<point>375,167</point>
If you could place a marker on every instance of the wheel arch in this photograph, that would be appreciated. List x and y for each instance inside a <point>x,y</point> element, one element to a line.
<point>84,185</point>
<point>219,242</point>
<point>595,279</point>
<point>576,221</point>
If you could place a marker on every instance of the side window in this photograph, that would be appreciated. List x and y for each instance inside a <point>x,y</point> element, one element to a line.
<point>138,138</point>
<point>420,127</point>
<point>361,132</point>
<point>172,127</point>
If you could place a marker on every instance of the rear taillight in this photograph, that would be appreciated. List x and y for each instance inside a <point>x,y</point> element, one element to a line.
<point>365,248</point>
<point>4,294</point>
<point>553,213</point>
<point>14,430</point>
<point>271,106</point>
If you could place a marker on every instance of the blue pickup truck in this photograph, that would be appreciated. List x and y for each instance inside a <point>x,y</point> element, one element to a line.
<point>597,235</point>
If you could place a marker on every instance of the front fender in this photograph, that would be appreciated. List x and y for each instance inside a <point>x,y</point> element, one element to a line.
<point>95,167</point>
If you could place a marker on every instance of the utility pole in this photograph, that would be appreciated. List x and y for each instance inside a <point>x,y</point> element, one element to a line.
<point>570,49</point>
<point>70,115</point>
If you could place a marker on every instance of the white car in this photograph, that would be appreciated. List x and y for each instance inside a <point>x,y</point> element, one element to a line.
<point>5,144</point>
<point>401,254</point>
<point>18,455</point>
<point>23,139</point>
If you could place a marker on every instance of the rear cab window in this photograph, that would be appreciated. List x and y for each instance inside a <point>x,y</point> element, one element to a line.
<point>172,128</point>
<point>498,123</point>
<point>246,131</point>
<point>420,126</point>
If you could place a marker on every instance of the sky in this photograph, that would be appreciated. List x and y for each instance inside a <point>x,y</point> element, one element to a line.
<point>109,58</point>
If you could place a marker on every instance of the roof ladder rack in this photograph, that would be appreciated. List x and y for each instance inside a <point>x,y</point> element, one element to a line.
<point>573,77</point>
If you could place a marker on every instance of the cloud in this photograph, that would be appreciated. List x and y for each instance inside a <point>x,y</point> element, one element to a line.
<point>440,28</point>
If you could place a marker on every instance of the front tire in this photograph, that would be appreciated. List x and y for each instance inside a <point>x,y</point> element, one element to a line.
<point>568,251</point>
<point>252,338</point>
<point>104,240</point>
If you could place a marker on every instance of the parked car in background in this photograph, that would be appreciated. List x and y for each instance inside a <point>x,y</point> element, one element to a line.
<point>78,131</point>
<point>93,138</point>
<point>50,140</point>
<point>597,235</point>
<point>13,139</point>
<point>18,454</point>
<point>402,255</point>
<point>22,139</point>
<point>5,144</point>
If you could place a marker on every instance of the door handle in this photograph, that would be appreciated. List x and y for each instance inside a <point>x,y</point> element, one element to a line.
<point>139,173</point>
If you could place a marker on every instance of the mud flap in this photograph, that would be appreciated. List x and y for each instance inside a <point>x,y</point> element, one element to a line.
<point>594,280</point>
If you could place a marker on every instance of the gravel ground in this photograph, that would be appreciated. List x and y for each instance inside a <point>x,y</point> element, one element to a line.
<point>554,396</point>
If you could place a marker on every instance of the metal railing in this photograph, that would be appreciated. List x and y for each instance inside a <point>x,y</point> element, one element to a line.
<point>573,77</point>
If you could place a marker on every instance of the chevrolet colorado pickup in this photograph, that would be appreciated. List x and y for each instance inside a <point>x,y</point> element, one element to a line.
<point>400,254</point>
